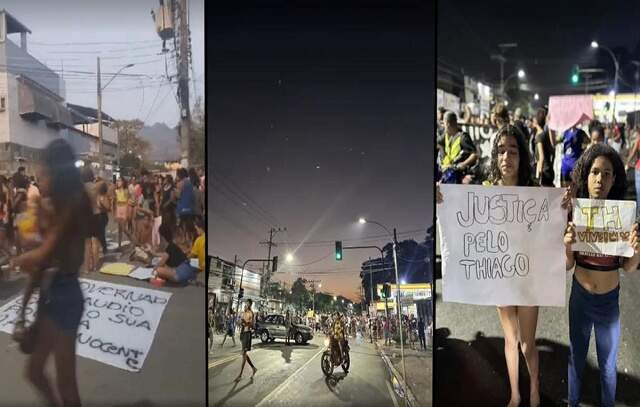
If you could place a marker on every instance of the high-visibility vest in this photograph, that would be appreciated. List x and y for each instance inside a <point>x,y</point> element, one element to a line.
<point>451,150</point>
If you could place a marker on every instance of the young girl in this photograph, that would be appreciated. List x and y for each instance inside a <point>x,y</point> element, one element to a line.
<point>510,166</point>
<point>599,174</point>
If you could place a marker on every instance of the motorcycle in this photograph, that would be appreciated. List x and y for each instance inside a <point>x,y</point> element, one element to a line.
<point>331,357</point>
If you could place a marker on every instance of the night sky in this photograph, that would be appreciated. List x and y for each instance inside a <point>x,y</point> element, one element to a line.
<point>318,116</point>
<point>551,38</point>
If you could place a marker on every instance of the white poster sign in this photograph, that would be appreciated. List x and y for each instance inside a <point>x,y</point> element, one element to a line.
<point>118,324</point>
<point>502,245</point>
<point>603,226</point>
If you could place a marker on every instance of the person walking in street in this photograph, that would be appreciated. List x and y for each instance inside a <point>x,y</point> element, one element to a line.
<point>594,301</point>
<point>421,328</point>
<point>61,304</point>
<point>246,337</point>
<point>230,329</point>
<point>287,324</point>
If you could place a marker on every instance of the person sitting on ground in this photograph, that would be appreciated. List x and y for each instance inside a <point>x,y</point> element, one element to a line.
<point>174,265</point>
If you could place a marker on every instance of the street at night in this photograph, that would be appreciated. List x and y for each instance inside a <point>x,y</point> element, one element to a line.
<point>319,226</point>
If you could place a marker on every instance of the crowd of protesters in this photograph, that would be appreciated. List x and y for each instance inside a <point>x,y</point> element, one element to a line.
<point>461,161</point>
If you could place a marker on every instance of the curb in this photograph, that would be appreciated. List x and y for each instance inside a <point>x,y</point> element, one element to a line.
<point>410,398</point>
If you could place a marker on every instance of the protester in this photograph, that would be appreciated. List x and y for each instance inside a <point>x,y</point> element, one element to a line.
<point>230,328</point>
<point>573,143</point>
<point>185,205</point>
<point>594,300</point>
<point>92,244</point>
<point>545,150</point>
<point>246,336</point>
<point>510,166</point>
<point>60,307</point>
<point>457,151</point>
<point>122,209</point>
<point>104,206</point>
<point>633,161</point>
<point>174,264</point>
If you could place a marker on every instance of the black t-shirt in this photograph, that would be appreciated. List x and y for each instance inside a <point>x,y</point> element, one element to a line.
<point>549,155</point>
<point>166,197</point>
<point>176,255</point>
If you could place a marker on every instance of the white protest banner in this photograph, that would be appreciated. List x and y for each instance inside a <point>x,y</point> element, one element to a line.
<point>502,245</point>
<point>603,226</point>
<point>118,324</point>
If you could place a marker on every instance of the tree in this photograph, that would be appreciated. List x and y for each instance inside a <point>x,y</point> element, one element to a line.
<point>133,149</point>
<point>299,294</point>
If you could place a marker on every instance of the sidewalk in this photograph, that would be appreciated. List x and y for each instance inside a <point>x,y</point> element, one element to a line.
<point>419,370</point>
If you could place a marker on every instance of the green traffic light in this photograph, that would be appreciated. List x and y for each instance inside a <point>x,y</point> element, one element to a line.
<point>575,78</point>
<point>338,256</point>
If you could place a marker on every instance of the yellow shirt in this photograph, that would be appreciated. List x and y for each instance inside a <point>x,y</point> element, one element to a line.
<point>122,196</point>
<point>198,251</point>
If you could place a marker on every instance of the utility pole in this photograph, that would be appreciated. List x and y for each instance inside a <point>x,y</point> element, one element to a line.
<point>100,152</point>
<point>183,85</point>
<point>266,276</point>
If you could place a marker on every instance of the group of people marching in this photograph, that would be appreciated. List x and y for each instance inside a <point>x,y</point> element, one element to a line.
<point>591,168</point>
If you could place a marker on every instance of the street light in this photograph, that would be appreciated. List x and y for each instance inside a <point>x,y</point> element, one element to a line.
<point>100,89</point>
<point>395,266</point>
<point>536,96</point>
<point>595,45</point>
<point>289,258</point>
<point>521,73</point>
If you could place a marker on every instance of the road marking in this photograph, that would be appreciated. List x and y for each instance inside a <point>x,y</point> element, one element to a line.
<point>223,360</point>
<point>391,393</point>
<point>282,385</point>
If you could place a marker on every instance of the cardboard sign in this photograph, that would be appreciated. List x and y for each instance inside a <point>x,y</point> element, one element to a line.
<point>502,245</point>
<point>604,226</point>
<point>118,324</point>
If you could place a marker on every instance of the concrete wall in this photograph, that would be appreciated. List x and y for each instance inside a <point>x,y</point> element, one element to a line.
<point>108,134</point>
<point>20,62</point>
<point>34,134</point>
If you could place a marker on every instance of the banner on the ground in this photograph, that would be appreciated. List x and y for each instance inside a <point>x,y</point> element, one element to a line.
<point>502,245</point>
<point>603,226</point>
<point>118,325</point>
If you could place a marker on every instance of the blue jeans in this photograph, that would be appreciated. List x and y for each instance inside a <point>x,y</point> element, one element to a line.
<point>636,175</point>
<point>602,312</point>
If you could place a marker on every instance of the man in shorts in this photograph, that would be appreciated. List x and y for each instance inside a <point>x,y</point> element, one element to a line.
<point>245,338</point>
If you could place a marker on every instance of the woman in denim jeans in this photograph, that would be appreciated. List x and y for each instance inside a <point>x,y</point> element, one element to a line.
<point>599,174</point>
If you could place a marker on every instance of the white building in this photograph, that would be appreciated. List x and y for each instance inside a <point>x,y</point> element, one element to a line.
<point>32,105</point>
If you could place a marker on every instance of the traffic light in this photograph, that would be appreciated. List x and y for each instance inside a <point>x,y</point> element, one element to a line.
<point>241,293</point>
<point>575,75</point>
<point>275,264</point>
<point>338,250</point>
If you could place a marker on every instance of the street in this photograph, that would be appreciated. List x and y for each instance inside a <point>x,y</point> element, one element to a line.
<point>173,373</point>
<point>469,354</point>
<point>291,376</point>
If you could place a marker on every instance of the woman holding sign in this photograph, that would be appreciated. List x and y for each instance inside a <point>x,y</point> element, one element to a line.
<point>599,174</point>
<point>510,166</point>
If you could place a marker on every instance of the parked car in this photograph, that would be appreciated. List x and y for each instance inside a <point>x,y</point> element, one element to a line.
<point>273,327</point>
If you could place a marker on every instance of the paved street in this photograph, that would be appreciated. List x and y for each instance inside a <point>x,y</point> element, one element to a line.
<point>469,354</point>
<point>291,376</point>
<point>174,372</point>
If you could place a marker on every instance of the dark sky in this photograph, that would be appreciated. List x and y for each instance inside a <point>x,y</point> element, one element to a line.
<point>551,38</point>
<point>318,116</point>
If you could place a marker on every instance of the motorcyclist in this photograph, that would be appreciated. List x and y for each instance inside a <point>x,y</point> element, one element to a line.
<point>338,332</point>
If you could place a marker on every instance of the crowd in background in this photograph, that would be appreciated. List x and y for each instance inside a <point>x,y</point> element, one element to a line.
<point>461,161</point>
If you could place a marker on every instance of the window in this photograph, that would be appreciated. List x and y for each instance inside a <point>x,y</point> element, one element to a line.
<point>3,103</point>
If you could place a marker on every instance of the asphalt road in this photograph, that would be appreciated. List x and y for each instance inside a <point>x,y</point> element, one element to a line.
<point>291,376</point>
<point>469,354</point>
<point>174,372</point>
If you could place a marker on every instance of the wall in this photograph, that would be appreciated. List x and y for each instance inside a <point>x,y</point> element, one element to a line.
<point>18,61</point>
<point>35,134</point>
<point>108,134</point>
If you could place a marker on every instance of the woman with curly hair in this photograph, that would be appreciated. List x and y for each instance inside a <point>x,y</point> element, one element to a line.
<point>593,304</point>
<point>511,166</point>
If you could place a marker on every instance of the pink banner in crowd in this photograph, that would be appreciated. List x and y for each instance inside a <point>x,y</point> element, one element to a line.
<point>567,111</point>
